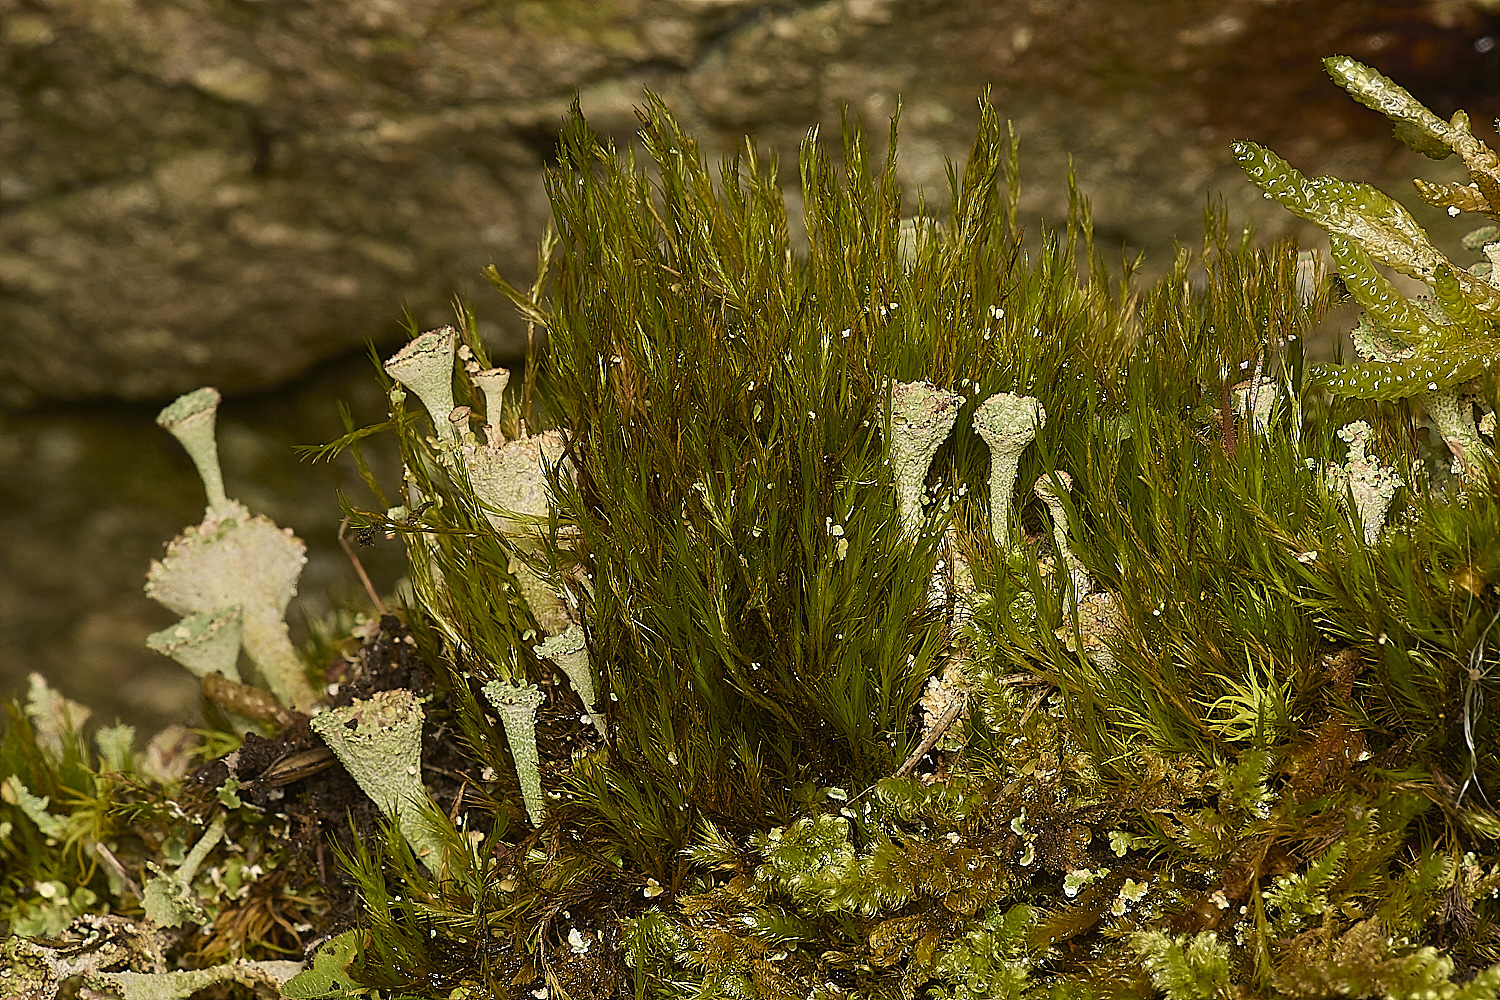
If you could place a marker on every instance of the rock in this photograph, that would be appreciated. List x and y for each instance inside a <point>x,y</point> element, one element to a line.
<point>230,191</point>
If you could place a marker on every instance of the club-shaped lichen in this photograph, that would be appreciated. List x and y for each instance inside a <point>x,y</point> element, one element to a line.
<point>517,705</point>
<point>379,742</point>
<point>425,366</point>
<point>1007,423</point>
<point>570,651</point>
<point>922,415</point>
<point>204,642</point>
<point>235,559</point>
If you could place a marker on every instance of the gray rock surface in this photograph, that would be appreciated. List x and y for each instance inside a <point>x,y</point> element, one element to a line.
<point>227,191</point>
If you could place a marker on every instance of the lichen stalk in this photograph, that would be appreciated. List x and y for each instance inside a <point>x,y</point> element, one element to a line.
<point>425,366</point>
<point>191,420</point>
<point>379,742</point>
<point>570,652</point>
<point>1007,423</point>
<point>1078,577</point>
<point>492,382</point>
<point>168,898</point>
<point>511,482</point>
<point>921,417</point>
<point>517,705</point>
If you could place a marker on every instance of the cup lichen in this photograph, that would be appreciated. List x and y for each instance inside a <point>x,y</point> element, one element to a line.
<point>379,742</point>
<point>235,559</point>
<point>517,705</point>
<point>511,482</point>
<point>569,650</point>
<point>204,642</point>
<point>425,366</point>
<point>1244,768</point>
<point>191,419</point>
<point>922,415</point>
<point>1008,423</point>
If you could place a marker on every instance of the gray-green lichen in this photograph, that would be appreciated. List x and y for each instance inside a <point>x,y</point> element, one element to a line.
<point>1008,423</point>
<point>517,705</point>
<point>511,482</point>
<point>1373,486</point>
<point>492,383</point>
<point>57,719</point>
<point>1254,400</point>
<point>168,897</point>
<point>570,651</point>
<point>1080,585</point>
<point>921,417</point>
<point>34,807</point>
<point>379,742</point>
<point>232,559</point>
<point>235,559</point>
<point>191,420</point>
<point>425,366</point>
<point>204,642</point>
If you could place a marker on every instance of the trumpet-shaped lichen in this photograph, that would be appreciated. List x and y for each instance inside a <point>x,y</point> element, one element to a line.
<point>204,642</point>
<point>232,559</point>
<point>570,651</point>
<point>921,417</point>
<point>511,482</point>
<point>1007,423</point>
<point>191,420</point>
<point>235,559</point>
<point>517,705</point>
<point>425,366</point>
<point>379,742</point>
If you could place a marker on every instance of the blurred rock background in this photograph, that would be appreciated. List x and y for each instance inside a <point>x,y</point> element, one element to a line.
<point>243,192</point>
